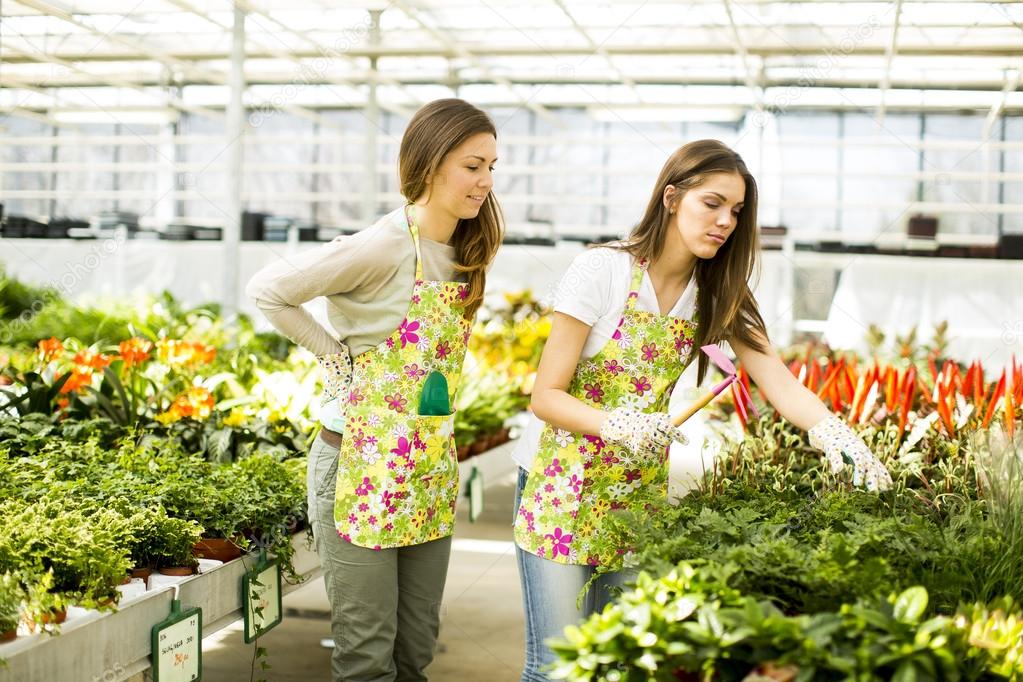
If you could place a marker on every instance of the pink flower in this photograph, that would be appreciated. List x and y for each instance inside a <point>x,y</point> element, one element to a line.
<point>640,385</point>
<point>576,483</point>
<point>407,332</point>
<point>594,392</point>
<point>403,449</point>
<point>554,468</point>
<point>632,475</point>
<point>443,348</point>
<point>414,370</point>
<point>463,292</point>
<point>365,487</point>
<point>650,352</point>
<point>559,542</point>
<point>682,343</point>
<point>355,397</point>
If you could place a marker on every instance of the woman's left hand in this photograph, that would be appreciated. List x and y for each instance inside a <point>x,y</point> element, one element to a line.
<point>842,446</point>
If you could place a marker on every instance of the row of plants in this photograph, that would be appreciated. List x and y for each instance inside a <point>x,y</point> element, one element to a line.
<point>916,387</point>
<point>79,515</point>
<point>802,553</point>
<point>775,569</point>
<point>693,624</point>
<point>223,388</point>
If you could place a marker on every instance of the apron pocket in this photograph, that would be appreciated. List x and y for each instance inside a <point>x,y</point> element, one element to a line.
<point>436,434</point>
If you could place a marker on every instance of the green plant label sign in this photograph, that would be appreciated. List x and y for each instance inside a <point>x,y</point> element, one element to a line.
<point>261,595</point>
<point>474,490</point>
<point>177,646</point>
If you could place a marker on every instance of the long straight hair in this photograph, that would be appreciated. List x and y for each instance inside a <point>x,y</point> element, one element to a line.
<point>725,303</point>
<point>436,129</point>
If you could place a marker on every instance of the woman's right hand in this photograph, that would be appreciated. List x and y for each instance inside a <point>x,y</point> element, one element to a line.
<point>642,432</point>
<point>335,373</point>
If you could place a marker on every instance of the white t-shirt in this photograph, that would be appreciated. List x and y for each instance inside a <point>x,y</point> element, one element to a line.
<point>594,290</point>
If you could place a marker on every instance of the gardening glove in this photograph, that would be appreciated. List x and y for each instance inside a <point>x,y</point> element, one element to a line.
<point>842,446</point>
<point>645,433</point>
<point>336,375</point>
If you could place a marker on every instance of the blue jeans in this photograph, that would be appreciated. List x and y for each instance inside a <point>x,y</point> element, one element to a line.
<point>549,594</point>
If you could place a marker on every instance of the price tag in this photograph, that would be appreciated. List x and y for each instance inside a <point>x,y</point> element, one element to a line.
<point>261,596</point>
<point>177,646</point>
<point>474,490</point>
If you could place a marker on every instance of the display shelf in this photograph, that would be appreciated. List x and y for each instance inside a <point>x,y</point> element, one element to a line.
<point>115,646</point>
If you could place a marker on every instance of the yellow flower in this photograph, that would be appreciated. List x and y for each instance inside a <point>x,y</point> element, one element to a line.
<point>437,446</point>
<point>236,417</point>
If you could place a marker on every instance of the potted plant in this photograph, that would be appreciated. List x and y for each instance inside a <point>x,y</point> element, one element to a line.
<point>172,545</point>
<point>11,596</point>
<point>45,608</point>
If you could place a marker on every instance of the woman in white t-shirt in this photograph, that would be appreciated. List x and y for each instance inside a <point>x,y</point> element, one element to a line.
<point>628,318</point>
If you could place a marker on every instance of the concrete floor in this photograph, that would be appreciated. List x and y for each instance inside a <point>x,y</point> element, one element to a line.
<point>481,634</point>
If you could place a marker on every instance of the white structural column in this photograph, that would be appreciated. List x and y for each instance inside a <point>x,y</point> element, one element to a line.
<point>372,115</point>
<point>235,146</point>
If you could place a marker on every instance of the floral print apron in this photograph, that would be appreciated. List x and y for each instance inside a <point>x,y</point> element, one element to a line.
<point>397,471</point>
<point>577,479</point>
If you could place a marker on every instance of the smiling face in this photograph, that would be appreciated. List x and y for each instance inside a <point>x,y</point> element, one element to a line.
<point>464,178</point>
<point>707,214</point>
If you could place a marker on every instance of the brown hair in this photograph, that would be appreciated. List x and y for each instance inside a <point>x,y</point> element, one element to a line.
<point>436,129</point>
<point>725,303</point>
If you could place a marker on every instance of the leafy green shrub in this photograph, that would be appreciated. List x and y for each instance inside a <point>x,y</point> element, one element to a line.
<point>693,621</point>
<point>11,596</point>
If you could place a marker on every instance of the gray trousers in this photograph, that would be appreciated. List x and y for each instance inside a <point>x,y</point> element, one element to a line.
<point>384,604</point>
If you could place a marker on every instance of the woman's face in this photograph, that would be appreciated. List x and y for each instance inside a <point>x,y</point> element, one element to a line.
<point>465,177</point>
<point>706,215</point>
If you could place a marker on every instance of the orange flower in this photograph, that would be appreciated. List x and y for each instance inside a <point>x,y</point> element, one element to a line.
<point>91,359</point>
<point>134,351</point>
<point>203,354</point>
<point>178,353</point>
<point>79,379</point>
<point>195,403</point>
<point>50,349</point>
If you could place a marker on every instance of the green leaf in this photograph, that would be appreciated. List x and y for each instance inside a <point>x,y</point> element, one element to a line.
<point>910,605</point>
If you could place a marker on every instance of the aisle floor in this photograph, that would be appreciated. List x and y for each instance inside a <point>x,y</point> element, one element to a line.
<point>481,634</point>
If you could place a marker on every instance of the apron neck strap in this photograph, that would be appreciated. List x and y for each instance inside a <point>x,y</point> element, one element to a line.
<point>413,226</point>
<point>638,270</point>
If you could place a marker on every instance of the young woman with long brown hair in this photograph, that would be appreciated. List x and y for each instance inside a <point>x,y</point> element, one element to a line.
<point>627,317</point>
<point>383,475</point>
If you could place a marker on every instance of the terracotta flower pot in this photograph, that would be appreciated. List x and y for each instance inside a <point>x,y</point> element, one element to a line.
<point>176,570</point>
<point>8,635</point>
<point>52,617</point>
<point>142,573</point>
<point>220,549</point>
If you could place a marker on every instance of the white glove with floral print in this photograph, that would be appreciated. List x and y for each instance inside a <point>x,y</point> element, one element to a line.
<point>842,446</point>
<point>642,432</point>
<point>336,375</point>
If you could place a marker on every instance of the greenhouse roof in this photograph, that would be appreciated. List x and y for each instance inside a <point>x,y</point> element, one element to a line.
<point>643,59</point>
